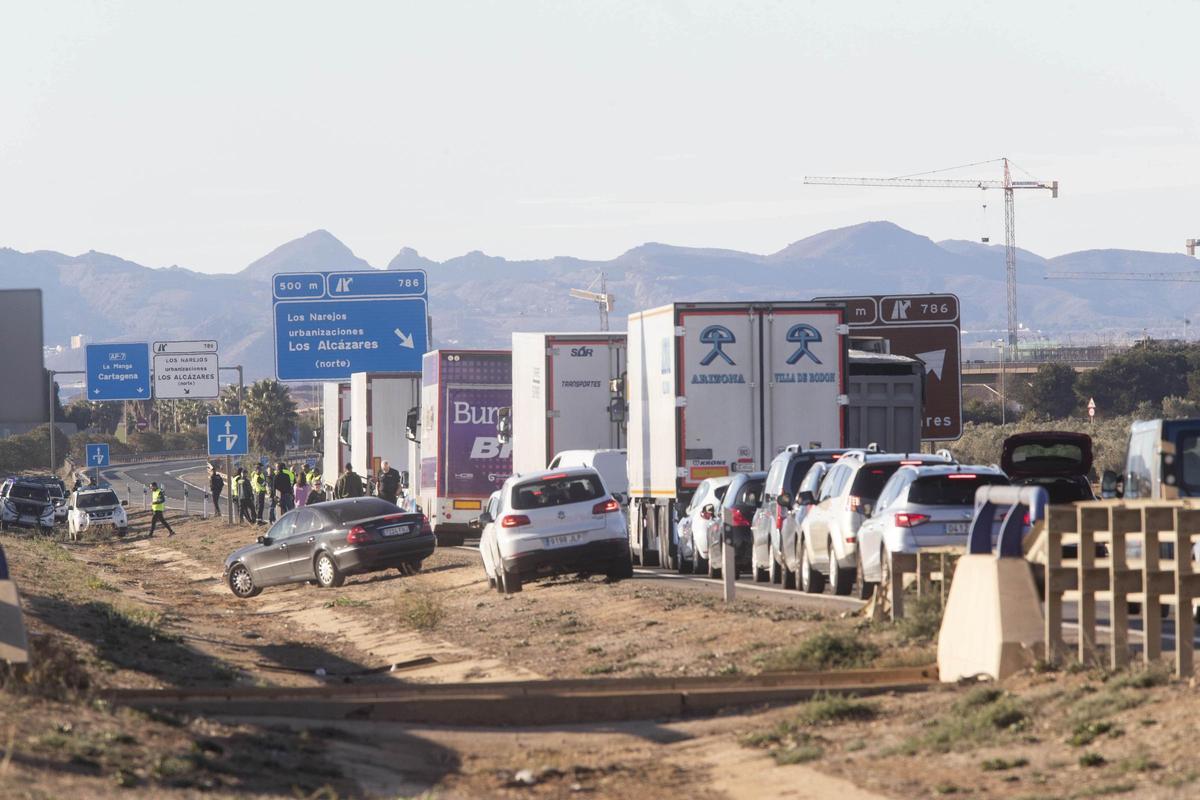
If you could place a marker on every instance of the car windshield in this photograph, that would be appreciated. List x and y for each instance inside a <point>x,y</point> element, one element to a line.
<point>356,509</point>
<point>96,500</point>
<point>1047,458</point>
<point>556,490</point>
<point>750,493</point>
<point>957,489</point>
<point>23,491</point>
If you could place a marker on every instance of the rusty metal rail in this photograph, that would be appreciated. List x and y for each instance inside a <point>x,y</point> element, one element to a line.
<point>526,702</point>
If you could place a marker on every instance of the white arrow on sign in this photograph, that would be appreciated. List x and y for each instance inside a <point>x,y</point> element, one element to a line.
<point>935,361</point>
<point>229,438</point>
<point>405,339</point>
<point>98,457</point>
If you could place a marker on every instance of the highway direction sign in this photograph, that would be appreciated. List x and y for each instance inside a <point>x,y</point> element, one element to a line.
<point>192,376</point>
<point>331,324</point>
<point>96,454</point>
<point>227,435</point>
<point>118,371</point>
<point>202,346</point>
<point>925,327</point>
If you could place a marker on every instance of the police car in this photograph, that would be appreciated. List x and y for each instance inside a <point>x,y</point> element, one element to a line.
<point>94,508</point>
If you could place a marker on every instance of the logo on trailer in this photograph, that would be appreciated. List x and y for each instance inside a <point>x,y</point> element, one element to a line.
<point>803,335</point>
<point>718,336</point>
<point>582,352</point>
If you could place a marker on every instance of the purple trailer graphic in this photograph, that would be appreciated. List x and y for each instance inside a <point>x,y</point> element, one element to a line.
<point>477,462</point>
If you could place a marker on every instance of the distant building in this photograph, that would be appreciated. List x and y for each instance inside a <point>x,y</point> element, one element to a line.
<point>78,341</point>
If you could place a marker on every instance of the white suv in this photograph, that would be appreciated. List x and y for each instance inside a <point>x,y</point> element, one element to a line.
<point>829,534</point>
<point>552,521</point>
<point>93,508</point>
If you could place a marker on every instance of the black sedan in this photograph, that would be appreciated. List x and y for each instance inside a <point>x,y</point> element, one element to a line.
<point>326,542</point>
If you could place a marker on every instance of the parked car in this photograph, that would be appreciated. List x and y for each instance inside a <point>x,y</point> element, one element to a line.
<point>95,508</point>
<point>26,504</point>
<point>742,498</point>
<point>58,493</point>
<point>784,475</point>
<point>1058,461</point>
<point>829,533</point>
<point>552,522</point>
<point>327,542</point>
<point>700,524</point>
<point>920,507</point>
<point>609,463</point>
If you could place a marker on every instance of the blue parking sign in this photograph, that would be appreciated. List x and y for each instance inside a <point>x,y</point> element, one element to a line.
<point>227,435</point>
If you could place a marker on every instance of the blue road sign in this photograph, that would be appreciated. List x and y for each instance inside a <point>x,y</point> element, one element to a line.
<point>227,435</point>
<point>118,371</point>
<point>331,324</point>
<point>96,454</point>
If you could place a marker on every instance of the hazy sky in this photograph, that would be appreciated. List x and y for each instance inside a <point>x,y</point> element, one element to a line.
<point>206,134</point>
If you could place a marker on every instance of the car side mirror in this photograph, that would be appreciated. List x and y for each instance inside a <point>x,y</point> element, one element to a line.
<point>806,498</point>
<point>124,502</point>
<point>404,479</point>
<point>1110,484</point>
<point>264,540</point>
<point>412,424</point>
<point>784,499</point>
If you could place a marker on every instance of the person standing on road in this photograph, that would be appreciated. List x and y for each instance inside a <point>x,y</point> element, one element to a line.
<point>317,495</point>
<point>389,482</point>
<point>258,482</point>
<point>349,485</point>
<point>215,484</point>
<point>284,488</point>
<point>274,497</point>
<point>158,504</point>
<point>245,497</point>
<point>302,488</point>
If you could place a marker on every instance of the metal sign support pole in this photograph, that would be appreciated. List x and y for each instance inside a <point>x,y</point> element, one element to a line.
<point>229,476</point>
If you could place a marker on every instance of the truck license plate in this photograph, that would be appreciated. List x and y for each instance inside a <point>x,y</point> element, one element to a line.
<point>396,530</point>
<point>566,538</point>
<point>957,527</point>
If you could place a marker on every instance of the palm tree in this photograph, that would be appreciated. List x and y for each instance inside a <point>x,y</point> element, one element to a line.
<point>271,414</point>
<point>228,402</point>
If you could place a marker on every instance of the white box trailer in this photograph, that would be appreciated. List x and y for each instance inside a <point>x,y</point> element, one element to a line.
<point>335,429</point>
<point>379,406</point>
<point>462,458</point>
<point>563,396</point>
<point>719,388</point>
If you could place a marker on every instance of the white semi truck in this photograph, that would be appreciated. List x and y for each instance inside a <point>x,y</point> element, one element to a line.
<point>720,388</point>
<point>567,395</point>
<point>335,429</point>
<point>379,405</point>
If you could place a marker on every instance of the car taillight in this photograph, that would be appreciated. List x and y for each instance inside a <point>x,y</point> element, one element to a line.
<point>513,520</point>
<point>426,528</point>
<point>778,517</point>
<point>853,502</point>
<point>739,519</point>
<point>962,476</point>
<point>357,535</point>
<point>1025,519</point>
<point>607,507</point>
<point>910,520</point>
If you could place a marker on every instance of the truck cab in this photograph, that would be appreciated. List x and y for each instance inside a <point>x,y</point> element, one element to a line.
<point>1162,462</point>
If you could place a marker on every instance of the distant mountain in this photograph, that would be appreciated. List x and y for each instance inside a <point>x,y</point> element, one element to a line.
<point>478,299</point>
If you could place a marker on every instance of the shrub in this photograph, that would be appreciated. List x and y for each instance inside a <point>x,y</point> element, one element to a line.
<point>823,651</point>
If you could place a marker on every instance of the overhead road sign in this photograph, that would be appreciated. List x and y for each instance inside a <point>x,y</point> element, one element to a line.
<point>199,346</point>
<point>228,435</point>
<point>191,376</point>
<point>96,454</point>
<point>118,371</point>
<point>925,327</point>
<point>329,325</point>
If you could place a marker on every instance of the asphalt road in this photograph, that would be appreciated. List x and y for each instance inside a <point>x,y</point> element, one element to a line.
<point>132,482</point>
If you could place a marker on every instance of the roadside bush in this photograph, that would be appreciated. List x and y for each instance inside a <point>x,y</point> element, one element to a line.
<point>822,651</point>
<point>977,719</point>
<point>32,450</point>
<point>55,671</point>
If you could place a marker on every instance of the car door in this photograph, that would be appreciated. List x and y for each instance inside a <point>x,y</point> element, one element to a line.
<point>816,524</point>
<point>302,543</point>
<point>272,564</point>
<point>790,535</point>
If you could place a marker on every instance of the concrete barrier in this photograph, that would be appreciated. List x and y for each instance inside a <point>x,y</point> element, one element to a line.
<point>14,646</point>
<point>992,624</point>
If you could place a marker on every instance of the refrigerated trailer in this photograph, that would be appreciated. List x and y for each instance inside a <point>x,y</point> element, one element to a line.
<point>567,395</point>
<point>379,405</point>
<point>462,458</point>
<point>720,388</point>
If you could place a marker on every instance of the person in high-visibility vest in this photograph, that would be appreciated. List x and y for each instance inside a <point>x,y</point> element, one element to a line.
<point>258,482</point>
<point>158,504</point>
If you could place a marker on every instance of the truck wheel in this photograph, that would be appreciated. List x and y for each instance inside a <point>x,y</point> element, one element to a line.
<point>811,579</point>
<point>511,580</point>
<point>841,579</point>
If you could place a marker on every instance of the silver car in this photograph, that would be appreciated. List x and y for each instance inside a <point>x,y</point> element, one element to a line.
<point>920,507</point>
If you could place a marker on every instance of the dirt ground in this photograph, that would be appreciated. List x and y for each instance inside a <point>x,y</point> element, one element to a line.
<point>155,613</point>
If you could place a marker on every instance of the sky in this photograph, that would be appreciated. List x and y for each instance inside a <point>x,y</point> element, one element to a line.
<point>206,134</point>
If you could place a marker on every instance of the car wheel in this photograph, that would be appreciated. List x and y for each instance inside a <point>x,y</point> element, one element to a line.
<point>841,579</point>
<point>491,582</point>
<point>811,579</point>
<point>619,570</point>
<point>699,565</point>
<point>865,588</point>
<point>774,574</point>
<point>757,573</point>
<point>683,565</point>
<point>511,580</point>
<point>714,571</point>
<point>122,533</point>
<point>241,582</point>
<point>328,576</point>
<point>409,568</point>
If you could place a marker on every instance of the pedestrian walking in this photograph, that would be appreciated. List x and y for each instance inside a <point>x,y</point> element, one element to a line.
<point>258,484</point>
<point>245,497</point>
<point>215,485</point>
<point>389,482</point>
<point>284,487</point>
<point>317,495</point>
<point>349,485</point>
<point>302,489</point>
<point>158,504</point>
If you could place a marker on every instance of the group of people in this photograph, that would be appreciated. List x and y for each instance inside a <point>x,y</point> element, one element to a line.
<point>287,488</point>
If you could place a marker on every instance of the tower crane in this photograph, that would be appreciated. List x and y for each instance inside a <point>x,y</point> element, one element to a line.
<point>1007,184</point>
<point>1191,246</point>
<point>602,298</point>
<point>1189,276</point>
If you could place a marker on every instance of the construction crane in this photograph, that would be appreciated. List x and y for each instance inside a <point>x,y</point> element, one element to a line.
<point>1191,246</point>
<point>601,298</point>
<point>1007,184</point>
<point>1168,277</point>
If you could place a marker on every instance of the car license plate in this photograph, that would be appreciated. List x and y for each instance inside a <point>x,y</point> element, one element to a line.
<point>958,527</point>
<point>396,530</point>
<point>565,539</point>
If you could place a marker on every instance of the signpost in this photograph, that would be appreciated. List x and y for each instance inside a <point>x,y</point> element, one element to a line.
<point>228,435</point>
<point>186,370</point>
<point>96,456</point>
<point>331,324</point>
<point>118,371</point>
<point>1091,409</point>
<point>925,327</point>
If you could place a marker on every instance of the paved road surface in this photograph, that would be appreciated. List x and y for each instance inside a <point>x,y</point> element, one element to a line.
<point>132,481</point>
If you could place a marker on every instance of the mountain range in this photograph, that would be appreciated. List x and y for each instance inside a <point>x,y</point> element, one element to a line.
<point>477,300</point>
